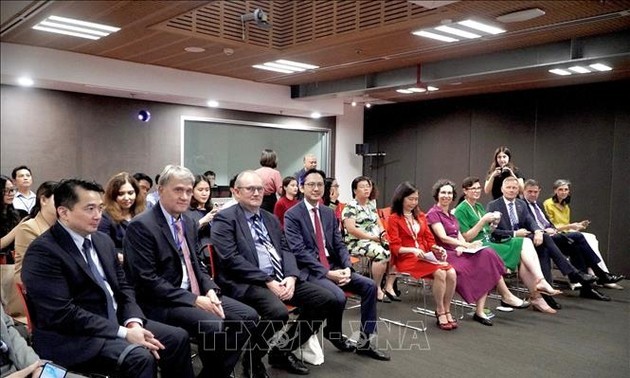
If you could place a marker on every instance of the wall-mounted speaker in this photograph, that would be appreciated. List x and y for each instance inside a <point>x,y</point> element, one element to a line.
<point>362,149</point>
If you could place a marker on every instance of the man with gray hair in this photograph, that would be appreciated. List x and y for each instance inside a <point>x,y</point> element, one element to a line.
<point>170,284</point>
<point>310,162</point>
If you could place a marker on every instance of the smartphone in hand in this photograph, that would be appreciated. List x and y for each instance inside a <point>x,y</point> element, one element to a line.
<point>50,370</point>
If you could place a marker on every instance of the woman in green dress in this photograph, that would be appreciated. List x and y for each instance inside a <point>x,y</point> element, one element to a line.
<point>517,252</point>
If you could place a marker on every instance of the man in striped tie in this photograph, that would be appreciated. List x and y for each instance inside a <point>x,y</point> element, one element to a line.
<point>258,269</point>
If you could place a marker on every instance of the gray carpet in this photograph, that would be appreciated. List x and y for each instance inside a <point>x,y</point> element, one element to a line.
<point>587,338</point>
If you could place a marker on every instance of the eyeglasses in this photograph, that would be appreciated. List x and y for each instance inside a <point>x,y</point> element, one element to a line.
<point>314,184</point>
<point>9,191</point>
<point>475,188</point>
<point>252,189</point>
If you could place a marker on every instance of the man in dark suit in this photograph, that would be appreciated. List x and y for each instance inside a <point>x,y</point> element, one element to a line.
<point>84,312</point>
<point>312,232</point>
<point>572,244</point>
<point>257,268</point>
<point>516,221</point>
<point>170,284</point>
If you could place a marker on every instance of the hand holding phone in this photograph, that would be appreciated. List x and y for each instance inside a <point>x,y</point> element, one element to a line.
<point>50,370</point>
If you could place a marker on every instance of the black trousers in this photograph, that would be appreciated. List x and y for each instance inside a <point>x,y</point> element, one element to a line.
<point>548,251</point>
<point>574,245</point>
<point>220,341</point>
<point>314,303</point>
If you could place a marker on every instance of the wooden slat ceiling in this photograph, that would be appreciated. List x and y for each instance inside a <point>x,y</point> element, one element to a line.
<point>345,38</point>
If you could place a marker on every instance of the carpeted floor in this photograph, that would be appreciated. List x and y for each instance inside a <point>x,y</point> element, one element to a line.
<point>587,338</point>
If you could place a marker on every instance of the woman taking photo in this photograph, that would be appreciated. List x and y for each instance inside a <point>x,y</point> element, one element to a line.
<point>9,219</point>
<point>366,235</point>
<point>288,199</point>
<point>410,240</point>
<point>478,272</point>
<point>272,180</point>
<point>122,202</point>
<point>201,210</point>
<point>517,253</point>
<point>500,168</point>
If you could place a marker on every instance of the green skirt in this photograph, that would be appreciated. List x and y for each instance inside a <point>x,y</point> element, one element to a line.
<point>510,251</point>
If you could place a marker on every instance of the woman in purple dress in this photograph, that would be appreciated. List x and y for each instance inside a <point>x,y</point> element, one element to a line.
<point>478,272</point>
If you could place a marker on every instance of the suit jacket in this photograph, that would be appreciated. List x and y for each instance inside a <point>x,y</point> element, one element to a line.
<point>236,251</point>
<point>153,261</point>
<point>525,220</point>
<point>401,236</point>
<point>542,211</point>
<point>116,231</point>
<point>300,235</point>
<point>67,305</point>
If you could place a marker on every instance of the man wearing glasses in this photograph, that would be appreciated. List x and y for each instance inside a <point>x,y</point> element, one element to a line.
<point>257,268</point>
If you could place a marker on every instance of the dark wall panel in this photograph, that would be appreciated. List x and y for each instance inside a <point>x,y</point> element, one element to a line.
<point>580,133</point>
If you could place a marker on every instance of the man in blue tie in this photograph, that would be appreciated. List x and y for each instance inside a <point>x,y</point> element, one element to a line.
<point>518,222</point>
<point>257,268</point>
<point>572,244</point>
<point>313,235</point>
<point>83,310</point>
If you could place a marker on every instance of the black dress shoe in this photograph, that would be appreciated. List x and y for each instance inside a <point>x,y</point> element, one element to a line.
<point>551,302</point>
<point>344,344</point>
<point>370,351</point>
<point>591,293</point>
<point>581,277</point>
<point>524,304</point>
<point>392,297</point>
<point>288,362</point>
<point>482,320</point>
<point>609,278</point>
<point>254,369</point>
<point>384,300</point>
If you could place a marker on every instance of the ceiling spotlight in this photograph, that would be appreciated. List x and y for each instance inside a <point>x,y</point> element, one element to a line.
<point>353,103</point>
<point>258,16</point>
<point>213,103</point>
<point>368,105</point>
<point>600,67</point>
<point>144,115</point>
<point>316,115</point>
<point>25,81</point>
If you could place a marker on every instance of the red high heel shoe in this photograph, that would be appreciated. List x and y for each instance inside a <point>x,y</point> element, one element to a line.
<point>443,326</point>
<point>453,322</point>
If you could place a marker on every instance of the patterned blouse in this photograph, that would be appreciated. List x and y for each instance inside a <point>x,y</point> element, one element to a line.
<point>365,218</point>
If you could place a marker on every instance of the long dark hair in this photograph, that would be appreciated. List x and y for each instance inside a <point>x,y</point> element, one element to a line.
<point>327,189</point>
<point>9,217</point>
<point>193,201</point>
<point>494,164</point>
<point>404,190</point>
<point>111,193</point>
<point>46,189</point>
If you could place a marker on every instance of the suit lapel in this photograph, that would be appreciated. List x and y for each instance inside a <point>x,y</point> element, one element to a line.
<point>165,227</point>
<point>245,231</point>
<point>66,243</point>
<point>108,268</point>
<point>306,217</point>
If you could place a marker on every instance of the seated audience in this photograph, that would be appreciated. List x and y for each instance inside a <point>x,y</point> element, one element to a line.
<point>201,210</point>
<point>43,215</point>
<point>516,222</point>
<point>24,199</point>
<point>516,252</point>
<point>478,272</point>
<point>123,201</point>
<point>367,237</point>
<point>411,239</point>
<point>83,310</point>
<point>9,220</point>
<point>288,199</point>
<point>144,183</point>
<point>559,213</point>
<point>500,168</point>
<point>331,196</point>
<point>324,261</point>
<point>153,197</point>
<point>257,268</point>
<point>272,180</point>
<point>310,162</point>
<point>572,244</point>
<point>171,286</point>
<point>17,359</point>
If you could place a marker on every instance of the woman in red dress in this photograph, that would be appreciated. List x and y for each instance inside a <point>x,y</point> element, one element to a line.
<point>411,242</point>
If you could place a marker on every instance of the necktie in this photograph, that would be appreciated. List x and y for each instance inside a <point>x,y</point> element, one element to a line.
<point>183,246</point>
<point>512,215</point>
<point>87,248</point>
<point>540,218</point>
<point>263,238</point>
<point>319,238</point>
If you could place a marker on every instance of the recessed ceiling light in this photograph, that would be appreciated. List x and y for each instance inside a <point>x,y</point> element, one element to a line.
<point>416,90</point>
<point>25,81</point>
<point>579,69</point>
<point>600,67</point>
<point>559,71</point>
<point>523,15</point>
<point>458,32</point>
<point>439,37</point>
<point>213,103</point>
<point>316,115</point>
<point>368,105</point>
<point>353,103</point>
<point>285,66</point>
<point>432,88</point>
<point>194,49</point>
<point>268,68</point>
<point>404,91</point>
<point>75,28</point>
<point>297,64</point>
<point>482,27</point>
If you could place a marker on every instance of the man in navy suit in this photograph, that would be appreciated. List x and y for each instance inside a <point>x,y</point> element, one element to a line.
<point>84,312</point>
<point>312,232</point>
<point>572,244</point>
<point>159,249</point>
<point>257,268</point>
<point>516,221</point>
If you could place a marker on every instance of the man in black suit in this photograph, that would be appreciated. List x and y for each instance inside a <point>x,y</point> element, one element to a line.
<point>84,312</point>
<point>572,244</point>
<point>257,268</point>
<point>170,283</point>
<point>313,234</point>
<point>516,221</point>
